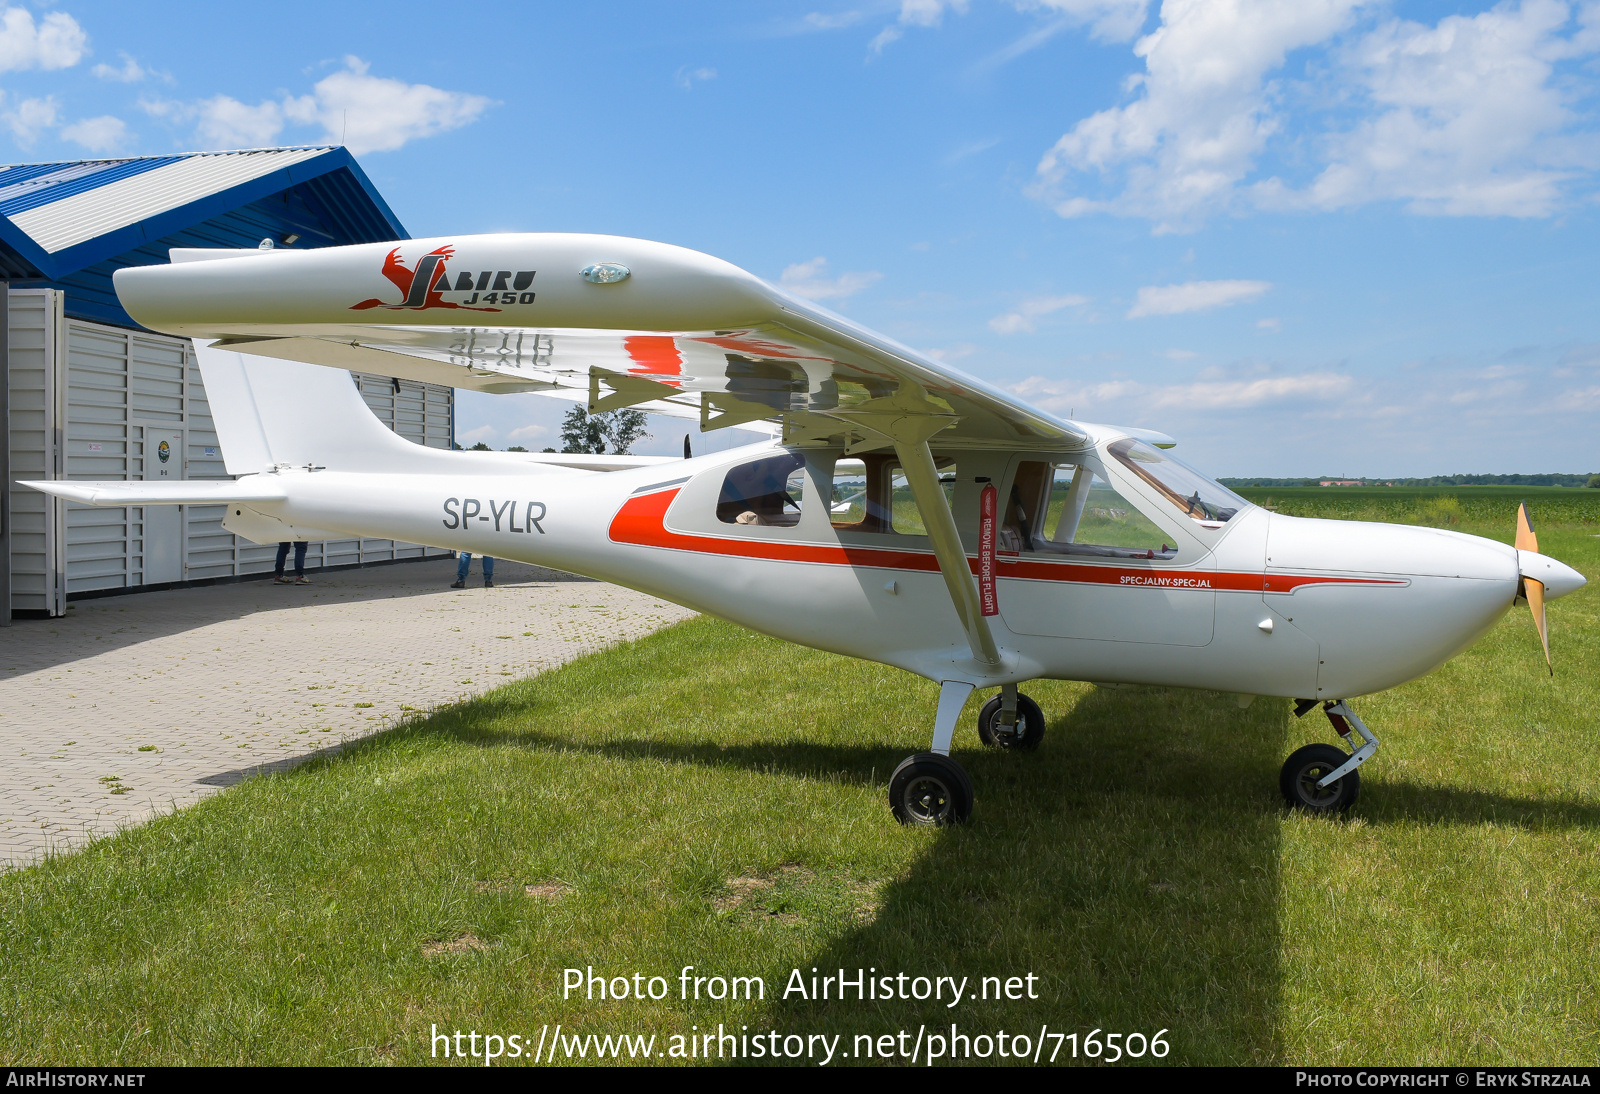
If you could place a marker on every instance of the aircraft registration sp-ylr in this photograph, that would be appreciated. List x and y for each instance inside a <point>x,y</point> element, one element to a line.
<point>901,512</point>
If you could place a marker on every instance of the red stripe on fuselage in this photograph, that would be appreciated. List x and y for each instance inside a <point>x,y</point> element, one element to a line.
<point>641,522</point>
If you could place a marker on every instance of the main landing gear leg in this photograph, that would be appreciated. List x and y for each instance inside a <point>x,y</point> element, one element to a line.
<point>1320,778</point>
<point>930,788</point>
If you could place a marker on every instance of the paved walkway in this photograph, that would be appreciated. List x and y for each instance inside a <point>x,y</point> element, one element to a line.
<point>136,704</point>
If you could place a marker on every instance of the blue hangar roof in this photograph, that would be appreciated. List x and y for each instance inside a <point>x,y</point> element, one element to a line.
<point>70,226</point>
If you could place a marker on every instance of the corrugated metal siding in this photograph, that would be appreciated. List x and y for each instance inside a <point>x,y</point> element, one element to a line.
<point>35,374</point>
<point>33,185</point>
<point>97,391</point>
<point>57,225</point>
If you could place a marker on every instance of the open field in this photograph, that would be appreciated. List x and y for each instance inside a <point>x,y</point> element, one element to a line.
<point>711,797</point>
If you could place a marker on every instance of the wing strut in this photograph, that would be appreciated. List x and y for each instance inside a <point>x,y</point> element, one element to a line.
<point>916,459</point>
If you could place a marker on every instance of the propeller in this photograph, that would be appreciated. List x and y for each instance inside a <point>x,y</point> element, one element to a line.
<point>1533,589</point>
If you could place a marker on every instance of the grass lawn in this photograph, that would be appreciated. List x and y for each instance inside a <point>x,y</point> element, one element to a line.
<point>711,797</point>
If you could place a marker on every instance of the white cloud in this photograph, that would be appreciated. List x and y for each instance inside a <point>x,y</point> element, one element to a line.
<point>366,113</point>
<point>526,434</point>
<point>1062,396</point>
<point>56,41</point>
<point>1021,319</point>
<point>817,20</point>
<point>951,354</point>
<point>103,134</point>
<point>1272,325</point>
<point>1466,113</point>
<point>916,13</point>
<point>372,114</point>
<point>31,117</point>
<point>685,77</point>
<point>227,123</point>
<point>1471,116</point>
<point>131,71</point>
<point>1194,296</point>
<point>1108,20</point>
<point>484,433</point>
<point>805,279</point>
<point>1201,117</point>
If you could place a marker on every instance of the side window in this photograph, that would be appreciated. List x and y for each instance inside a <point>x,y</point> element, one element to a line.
<point>906,518</point>
<point>852,501</point>
<point>1085,515</point>
<point>766,492</point>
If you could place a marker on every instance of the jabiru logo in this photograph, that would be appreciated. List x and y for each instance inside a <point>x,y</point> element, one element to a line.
<point>424,287</point>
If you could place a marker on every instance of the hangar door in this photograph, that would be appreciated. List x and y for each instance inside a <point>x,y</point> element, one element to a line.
<point>102,402</point>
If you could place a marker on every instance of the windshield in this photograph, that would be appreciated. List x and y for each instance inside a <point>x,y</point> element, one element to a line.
<point>1193,494</point>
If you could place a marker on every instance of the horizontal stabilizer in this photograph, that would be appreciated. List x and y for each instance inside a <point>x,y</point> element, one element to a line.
<point>583,461</point>
<point>249,488</point>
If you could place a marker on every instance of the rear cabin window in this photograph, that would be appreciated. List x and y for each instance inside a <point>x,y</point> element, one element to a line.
<point>765,492</point>
<point>870,494</point>
<point>906,516</point>
<point>1067,509</point>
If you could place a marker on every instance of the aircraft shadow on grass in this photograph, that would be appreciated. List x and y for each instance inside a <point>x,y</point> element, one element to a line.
<point>1132,863</point>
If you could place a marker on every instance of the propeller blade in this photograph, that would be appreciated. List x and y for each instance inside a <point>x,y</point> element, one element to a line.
<point>1526,540</point>
<point>1531,589</point>
<point>1534,591</point>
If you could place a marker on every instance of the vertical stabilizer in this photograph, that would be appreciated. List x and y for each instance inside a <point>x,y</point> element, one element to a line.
<point>271,412</point>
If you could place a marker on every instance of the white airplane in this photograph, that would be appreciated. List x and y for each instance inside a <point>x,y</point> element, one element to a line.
<point>902,512</point>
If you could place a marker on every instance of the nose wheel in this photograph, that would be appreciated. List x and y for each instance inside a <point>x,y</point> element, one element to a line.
<point>1303,773</point>
<point>1322,778</point>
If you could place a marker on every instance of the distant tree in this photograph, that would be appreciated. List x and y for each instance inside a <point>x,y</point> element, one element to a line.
<point>623,428</point>
<point>547,450</point>
<point>581,432</point>
<point>593,433</point>
<point>1594,482</point>
<point>480,447</point>
<point>516,448</point>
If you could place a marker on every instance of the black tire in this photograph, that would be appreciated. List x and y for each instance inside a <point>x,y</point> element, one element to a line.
<point>930,790</point>
<point>1305,768</point>
<point>1030,725</point>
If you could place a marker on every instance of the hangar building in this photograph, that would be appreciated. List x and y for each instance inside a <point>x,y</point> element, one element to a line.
<point>85,392</point>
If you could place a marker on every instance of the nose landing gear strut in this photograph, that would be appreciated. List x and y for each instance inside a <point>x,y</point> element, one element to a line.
<point>1320,778</point>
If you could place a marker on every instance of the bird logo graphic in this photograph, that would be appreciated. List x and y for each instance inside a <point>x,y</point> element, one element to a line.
<point>420,289</point>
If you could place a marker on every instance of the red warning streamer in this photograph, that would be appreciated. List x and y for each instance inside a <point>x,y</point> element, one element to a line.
<point>988,507</point>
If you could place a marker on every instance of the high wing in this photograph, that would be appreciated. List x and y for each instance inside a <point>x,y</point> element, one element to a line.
<point>611,321</point>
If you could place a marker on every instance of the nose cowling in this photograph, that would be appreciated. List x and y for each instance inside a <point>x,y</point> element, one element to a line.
<point>1385,603</point>
<point>1558,578</point>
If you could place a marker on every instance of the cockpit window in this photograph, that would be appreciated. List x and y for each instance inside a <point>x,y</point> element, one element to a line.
<point>1191,492</point>
<point>1067,509</point>
<point>765,492</point>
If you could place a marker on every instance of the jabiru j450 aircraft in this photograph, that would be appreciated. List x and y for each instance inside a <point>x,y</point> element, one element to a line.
<point>902,511</point>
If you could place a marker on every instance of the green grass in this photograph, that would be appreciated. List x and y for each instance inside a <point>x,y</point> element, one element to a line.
<point>708,796</point>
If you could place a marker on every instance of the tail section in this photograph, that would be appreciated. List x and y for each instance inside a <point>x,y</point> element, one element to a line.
<point>274,413</point>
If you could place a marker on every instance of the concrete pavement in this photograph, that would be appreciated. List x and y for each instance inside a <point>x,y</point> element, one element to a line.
<point>133,704</point>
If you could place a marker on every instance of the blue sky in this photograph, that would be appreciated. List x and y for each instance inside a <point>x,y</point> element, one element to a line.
<point>1303,237</point>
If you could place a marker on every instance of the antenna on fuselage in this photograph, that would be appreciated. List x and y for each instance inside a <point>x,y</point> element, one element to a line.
<point>687,454</point>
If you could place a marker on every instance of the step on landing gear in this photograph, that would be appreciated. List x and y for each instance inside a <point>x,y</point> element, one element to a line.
<point>1320,778</point>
